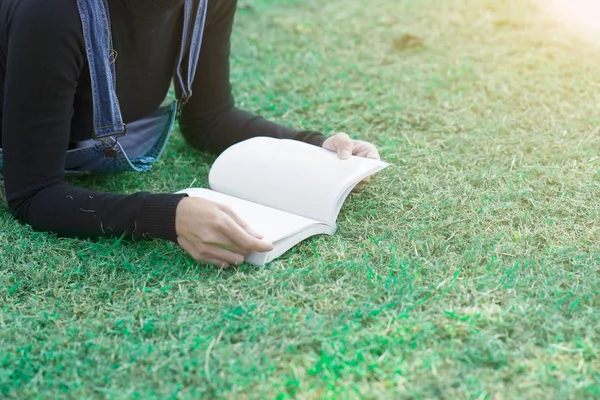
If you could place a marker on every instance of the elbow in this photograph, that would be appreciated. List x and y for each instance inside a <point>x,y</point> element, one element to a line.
<point>196,134</point>
<point>204,125</point>
<point>205,133</point>
<point>18,207</point>
<point>24,204</point>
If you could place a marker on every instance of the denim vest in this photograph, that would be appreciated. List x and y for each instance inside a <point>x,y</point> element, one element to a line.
<point>136,146</point>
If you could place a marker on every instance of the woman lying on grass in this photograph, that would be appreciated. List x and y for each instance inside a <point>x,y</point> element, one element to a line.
<point>61,114</point>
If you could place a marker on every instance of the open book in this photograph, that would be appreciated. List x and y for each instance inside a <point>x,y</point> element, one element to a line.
<point>286,190</point>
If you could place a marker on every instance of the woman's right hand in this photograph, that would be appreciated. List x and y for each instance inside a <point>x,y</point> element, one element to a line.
<point>213,234</point>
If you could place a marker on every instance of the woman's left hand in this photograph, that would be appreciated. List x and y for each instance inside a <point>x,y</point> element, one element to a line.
<point>345,147</point>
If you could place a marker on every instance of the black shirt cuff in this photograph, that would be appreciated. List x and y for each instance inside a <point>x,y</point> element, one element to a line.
<point>311,137</point>
<point>157,217</point>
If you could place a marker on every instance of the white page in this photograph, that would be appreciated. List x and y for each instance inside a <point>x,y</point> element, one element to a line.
<point>290,175</point>
<point>284,245</point>
<point>273,224</point>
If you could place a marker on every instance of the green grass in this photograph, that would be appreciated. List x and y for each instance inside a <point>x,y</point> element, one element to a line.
<point>468,270</point>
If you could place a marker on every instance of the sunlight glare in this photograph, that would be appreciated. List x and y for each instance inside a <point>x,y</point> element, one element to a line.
<point>580,15</point>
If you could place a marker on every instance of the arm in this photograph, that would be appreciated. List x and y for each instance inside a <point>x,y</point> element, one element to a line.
<point>45,57</point>
<point>210,121</point>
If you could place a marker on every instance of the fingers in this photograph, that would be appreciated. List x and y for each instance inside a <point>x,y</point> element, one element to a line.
<point>358,187</point>
<point>217,263</point>
<point>212,255</point>
<point>238,220</point>
<point>214,233</point>
<point>226,256</point>
<point>197,254</point>
<point>367,150</point>
<point>243,239</point>
<point>361,185</point>
<point>343,145</point>
<point>373,153</point>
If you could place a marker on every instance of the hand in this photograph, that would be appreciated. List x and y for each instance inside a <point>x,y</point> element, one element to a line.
<point>346,147</point>
<point>213,234</point>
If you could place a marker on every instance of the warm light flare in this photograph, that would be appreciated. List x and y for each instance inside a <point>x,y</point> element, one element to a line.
<point>581,15</point>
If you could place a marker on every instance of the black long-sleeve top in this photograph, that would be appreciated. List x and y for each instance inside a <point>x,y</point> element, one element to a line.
<point>46,107</point>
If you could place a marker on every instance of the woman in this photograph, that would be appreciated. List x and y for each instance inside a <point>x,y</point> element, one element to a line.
<point>82,86</point>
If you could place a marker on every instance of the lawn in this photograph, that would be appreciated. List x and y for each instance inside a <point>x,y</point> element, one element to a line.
<point>468,269</point>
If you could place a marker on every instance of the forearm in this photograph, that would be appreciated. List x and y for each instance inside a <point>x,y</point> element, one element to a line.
<point>216,133</point>
<point>75,212</point>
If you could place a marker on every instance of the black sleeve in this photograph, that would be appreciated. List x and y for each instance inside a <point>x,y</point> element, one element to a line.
<point>44,59</point>
<point>210,121</point>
